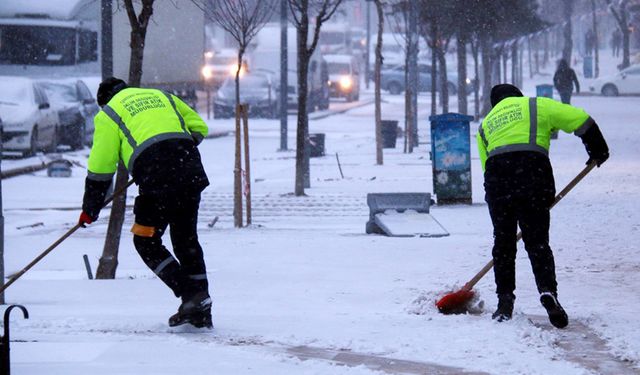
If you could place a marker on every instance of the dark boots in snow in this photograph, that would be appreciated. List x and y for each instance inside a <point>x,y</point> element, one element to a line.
<point>195,310</point>
<point>505,307</point>
<point>557,316</point>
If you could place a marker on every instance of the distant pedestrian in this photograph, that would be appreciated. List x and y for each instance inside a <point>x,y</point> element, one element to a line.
<point>589,42</point>
<point>616,42</point>
<point>563,81</point>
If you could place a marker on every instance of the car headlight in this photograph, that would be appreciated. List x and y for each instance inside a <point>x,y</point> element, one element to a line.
<point>346,82</point>
<point>468,81</point>
<point>207,72</point>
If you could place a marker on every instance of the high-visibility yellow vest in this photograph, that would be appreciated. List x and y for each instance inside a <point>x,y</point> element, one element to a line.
<point>526,124</point>
<point>133,120</point>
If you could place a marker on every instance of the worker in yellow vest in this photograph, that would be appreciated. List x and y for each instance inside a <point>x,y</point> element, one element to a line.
<point>155,135</point>
<point>513,142</point>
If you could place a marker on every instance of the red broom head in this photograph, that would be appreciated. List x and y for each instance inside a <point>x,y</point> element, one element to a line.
<point>456,302</point>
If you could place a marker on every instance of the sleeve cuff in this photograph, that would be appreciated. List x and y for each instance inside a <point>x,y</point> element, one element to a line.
<point>588,123</point>
<point>100,176</point>
<point>197,137</point>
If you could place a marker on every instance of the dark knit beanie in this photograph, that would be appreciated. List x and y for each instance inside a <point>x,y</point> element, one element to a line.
<point>504,90</point>
<point>108,89</point>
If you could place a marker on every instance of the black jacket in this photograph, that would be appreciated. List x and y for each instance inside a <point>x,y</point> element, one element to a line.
<point>164,169</point>
<point>564,78</point>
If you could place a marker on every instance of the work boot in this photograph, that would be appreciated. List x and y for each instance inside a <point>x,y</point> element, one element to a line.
<point>557,316</point>
<point>195,310</point>
<point>505,307</point>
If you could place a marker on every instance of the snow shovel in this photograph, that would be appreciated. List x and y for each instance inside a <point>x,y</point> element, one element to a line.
<point>59,241</point>
<point>456,302</point>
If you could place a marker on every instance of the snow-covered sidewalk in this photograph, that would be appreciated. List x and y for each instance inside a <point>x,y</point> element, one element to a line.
<point>304,284</point>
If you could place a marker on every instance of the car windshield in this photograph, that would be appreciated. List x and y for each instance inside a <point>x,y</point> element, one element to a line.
<point>60,92</point>
<point>248,82</point>
<point>14,92</point>
<point>223,60</point>
<point>339,68</point>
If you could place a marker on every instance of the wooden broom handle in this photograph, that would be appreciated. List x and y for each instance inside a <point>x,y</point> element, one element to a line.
<point>58,242</point>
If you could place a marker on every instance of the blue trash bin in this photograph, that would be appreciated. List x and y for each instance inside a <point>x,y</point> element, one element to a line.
<point>587,67</point>
<point>547,92</point>
<point>544,90</point>
<point>451,158</point>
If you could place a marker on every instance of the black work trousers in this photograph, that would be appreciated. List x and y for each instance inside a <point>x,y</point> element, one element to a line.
<point>185,273</point>
<point>519,190</point>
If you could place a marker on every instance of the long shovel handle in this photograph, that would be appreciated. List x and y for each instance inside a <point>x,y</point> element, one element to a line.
<point>561,194</point>
<point>58,242</point>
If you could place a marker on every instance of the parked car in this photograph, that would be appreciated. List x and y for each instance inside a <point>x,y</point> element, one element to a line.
<point>344,77</point>
<point>627,81</point>
<point>256,89</point>
<point>76,109</point>
<point>29,122</point>
<point>393,80</point>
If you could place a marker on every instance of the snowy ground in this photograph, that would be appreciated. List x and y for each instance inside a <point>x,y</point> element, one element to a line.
<point>305,291</point>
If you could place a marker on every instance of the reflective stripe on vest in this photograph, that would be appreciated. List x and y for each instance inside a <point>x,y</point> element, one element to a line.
<point>173,104</point>
<point>533,134</point>
<point>123,128</point>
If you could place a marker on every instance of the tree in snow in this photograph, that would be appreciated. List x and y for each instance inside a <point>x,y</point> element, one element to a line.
<point>377,79</point>
<point>242,19</point>
<point>620,12</point>
<point>139,23</point>
<point>303,13</point>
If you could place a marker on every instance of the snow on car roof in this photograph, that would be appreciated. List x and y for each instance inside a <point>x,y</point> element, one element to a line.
<point>15,79</point>
<point>39,22</point>
<point>55,9</point>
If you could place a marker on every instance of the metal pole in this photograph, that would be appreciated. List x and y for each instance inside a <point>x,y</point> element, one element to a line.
<point>1,225</point>
<point>367,58</point>
<point>284,84</point>
<point>106,37</point>
<point>413,70</point>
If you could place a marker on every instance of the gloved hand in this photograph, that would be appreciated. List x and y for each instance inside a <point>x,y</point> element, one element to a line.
<point>599,159</point>
<point>85,218</point>
<point>595,145</point>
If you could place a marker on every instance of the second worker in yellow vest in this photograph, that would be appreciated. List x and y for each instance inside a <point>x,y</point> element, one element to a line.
<point>513,142</point>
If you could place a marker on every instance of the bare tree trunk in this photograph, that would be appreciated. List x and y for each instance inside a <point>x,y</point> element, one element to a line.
<point>476,84</point>
<point>461,43</point>
<point>237,170</point>
<point>545,56</point>
<point>567,12</point>
<point>247,160</point>
<point>109,260</point>
<point>376,79</point>
<point>621,16</point>
<point>596,42</point>
<point>434,68</point>
<point>529,54</point>
<point>303,91</point>
<point>504,55</point>
<point>487,51</point>
<point>514,64</point>
<point>444,82</point>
